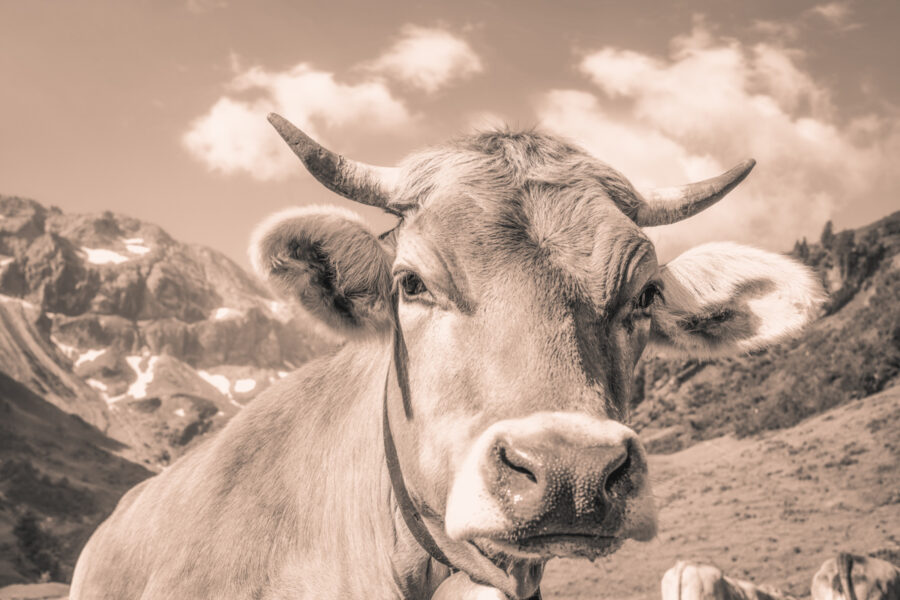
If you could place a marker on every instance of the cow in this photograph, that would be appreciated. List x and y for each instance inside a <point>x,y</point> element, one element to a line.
<point>475,419</point>
<point>689,581</point>
<point>853,577</point>
<point>460,586</point>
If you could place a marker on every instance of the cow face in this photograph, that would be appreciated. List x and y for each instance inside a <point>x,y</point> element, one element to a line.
<point>522,293</point>
<point>532,306</point>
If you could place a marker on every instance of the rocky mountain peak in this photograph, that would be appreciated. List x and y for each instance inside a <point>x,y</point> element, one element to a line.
<point>119,323</point>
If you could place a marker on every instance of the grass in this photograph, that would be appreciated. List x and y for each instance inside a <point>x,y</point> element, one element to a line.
<point>769,509</point>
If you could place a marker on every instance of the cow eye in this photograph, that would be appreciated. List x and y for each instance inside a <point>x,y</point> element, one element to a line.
<point>648,296</point>
<point>412,285</point>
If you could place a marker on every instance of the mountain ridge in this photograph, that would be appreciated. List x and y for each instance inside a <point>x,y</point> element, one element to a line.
<point>153,341</point>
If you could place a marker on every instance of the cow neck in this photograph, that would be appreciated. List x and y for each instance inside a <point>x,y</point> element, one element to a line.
<point>411,515</point>
<point>458,556</point>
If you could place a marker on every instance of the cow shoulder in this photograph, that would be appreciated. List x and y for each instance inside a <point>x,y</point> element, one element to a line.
<point>692,581</point>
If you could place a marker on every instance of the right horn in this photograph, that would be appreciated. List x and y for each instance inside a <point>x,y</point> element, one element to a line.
<point>664,206</point>
<point>349,178</point>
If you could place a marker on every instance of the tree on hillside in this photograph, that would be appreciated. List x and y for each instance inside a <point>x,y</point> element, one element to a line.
<point>37,546</point>
<point>801,250</point>
<point>827,238</point>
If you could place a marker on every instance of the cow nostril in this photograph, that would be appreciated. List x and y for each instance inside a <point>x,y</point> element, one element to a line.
<point>505,460</point>
<point>619,472</point>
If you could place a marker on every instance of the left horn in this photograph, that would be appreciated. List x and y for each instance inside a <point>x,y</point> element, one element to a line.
<point>664,206</point>
<point>351,179</point>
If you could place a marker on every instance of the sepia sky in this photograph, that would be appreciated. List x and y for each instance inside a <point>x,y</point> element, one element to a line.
<point>157,109</point>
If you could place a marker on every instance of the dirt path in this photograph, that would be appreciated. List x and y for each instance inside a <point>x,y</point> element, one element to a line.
<point>768,509</point>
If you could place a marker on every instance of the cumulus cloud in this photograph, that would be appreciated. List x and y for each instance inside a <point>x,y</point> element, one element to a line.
<point>234,136</point>
<point>711,103</point>
<point>428,59</point>
<point>835,13</point>
<point>836,16</point>
<point>784,30</point>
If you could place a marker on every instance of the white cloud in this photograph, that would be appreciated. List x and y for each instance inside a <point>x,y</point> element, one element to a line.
<point>776,29</point>
<point>234,136</point>
<point>428,59</point>
<point>710,104</point>
<point>835,13</point>
<point>837,16</point>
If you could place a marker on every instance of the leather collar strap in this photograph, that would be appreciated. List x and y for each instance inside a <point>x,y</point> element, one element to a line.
<point>411,515</point>
<point>477,567</point>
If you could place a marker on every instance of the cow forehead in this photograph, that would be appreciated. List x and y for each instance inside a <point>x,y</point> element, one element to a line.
<point>502,165</point>
<point>525,203</point>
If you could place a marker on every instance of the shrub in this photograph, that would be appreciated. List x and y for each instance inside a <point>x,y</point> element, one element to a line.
<point>23,484</point>
<point>39,548</point>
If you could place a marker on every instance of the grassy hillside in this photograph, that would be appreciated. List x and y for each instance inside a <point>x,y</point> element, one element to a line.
<point>769,509</point>
<point>59,477</point>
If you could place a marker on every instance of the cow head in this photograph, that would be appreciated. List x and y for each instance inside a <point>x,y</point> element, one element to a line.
<point>522,292</point>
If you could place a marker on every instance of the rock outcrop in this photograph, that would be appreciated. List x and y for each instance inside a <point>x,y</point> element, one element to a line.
<point>152,341</point>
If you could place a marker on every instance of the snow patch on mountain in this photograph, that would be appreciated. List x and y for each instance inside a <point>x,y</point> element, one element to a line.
<point>220,382</point>
<point>102,256</point>
<point>97,384</point>
<point>138,389</point>
<point>89,356</point>
<point>224,313</point>
<point>69,351</point>
<point>242,386</point>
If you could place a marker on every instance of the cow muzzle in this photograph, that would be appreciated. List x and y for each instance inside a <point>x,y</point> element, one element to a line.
<point>552,484</point>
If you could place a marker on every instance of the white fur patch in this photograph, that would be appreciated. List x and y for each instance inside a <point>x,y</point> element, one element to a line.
<point>459,587</point>
<point>294,212</point>
<point>687,581</point>
<point>389,177</point>
<point>718,274</point>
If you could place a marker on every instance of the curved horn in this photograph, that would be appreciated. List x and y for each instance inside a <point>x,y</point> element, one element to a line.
<point>664,206</point>
<point>354,180</point>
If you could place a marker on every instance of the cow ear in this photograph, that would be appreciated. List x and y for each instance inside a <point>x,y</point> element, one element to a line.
<point>328,260</point>
<point>722,298</point>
